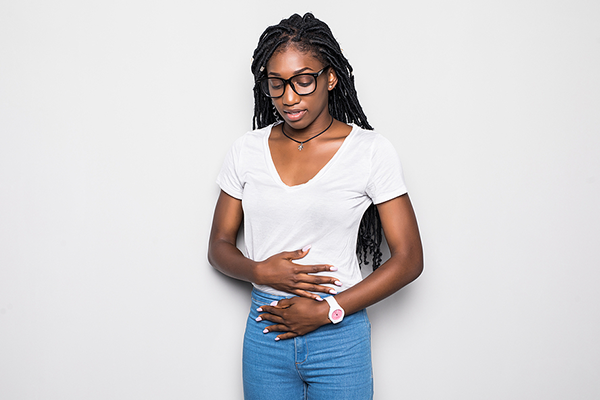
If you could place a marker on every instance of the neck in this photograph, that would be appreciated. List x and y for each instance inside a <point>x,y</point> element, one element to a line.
<point>301,142</point>
<point>319,126</point>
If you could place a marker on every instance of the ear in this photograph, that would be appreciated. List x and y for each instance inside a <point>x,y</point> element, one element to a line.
<point>332,79</point>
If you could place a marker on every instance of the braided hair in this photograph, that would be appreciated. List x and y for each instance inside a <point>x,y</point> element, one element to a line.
<point>308,34</point>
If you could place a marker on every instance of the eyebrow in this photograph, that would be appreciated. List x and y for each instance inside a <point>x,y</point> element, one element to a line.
<point>301,70</point>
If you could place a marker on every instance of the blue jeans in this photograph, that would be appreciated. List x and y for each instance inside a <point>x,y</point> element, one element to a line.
<point>332,362</point>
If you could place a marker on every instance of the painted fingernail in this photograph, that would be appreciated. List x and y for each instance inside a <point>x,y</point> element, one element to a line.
<point>306,248</point>
<point>258,319</point>
<point>277,339</point>
<point>338,283</point>
<point>274,303</point>
<point>318,298</point>
<point>265,330</point>
<point>332,291</point>
<point>259,309</point>
<point>332,268</point>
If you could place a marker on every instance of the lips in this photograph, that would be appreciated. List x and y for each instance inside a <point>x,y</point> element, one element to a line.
<point>294,115</point>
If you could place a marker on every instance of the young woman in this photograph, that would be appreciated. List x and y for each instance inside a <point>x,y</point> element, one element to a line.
<point>314,186</point>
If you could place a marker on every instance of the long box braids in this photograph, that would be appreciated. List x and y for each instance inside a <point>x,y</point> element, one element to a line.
<point>309,34</point>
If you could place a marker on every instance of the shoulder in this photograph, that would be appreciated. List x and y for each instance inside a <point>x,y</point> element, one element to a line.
<point>251,139</point>
<point>371,141</point>
<point>259,133</point>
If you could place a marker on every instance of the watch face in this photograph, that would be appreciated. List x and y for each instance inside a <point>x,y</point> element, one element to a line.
<point>336,314</point>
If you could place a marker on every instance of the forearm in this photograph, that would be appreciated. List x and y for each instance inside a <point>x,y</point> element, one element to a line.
<point>405,264</point>
<point>298,316</point>
<point>390,277</point>
<point>223,254</point>
<point>225,257</point>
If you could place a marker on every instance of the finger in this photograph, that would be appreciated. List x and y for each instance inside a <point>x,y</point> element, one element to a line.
<point>276,328</point>
<point>319,279</point>
<point>295,255</point>
<point>283,303</point>
<point>314,268</point>
<point>304,293</point>
<point>273,303</point>
<point>316,279</point>
<point>270,317</point>
<point>275,310</point>
<point>317,288</point>
<point>276,305</point>
<point>287,335</point>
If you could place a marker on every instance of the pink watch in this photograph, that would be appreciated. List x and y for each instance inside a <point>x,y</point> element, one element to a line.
<point>336,313</point>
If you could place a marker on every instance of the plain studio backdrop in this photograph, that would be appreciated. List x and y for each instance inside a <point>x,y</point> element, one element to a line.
<point>115,117</point>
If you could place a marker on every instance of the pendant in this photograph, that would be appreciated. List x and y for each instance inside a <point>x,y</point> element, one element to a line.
<point>301,146</point>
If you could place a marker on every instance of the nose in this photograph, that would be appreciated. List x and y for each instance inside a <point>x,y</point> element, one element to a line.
<point>290,97</point>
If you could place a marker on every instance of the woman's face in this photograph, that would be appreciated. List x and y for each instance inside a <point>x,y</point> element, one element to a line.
<point>297,111</point>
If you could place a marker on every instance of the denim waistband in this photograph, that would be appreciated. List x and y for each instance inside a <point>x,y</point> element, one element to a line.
<point>267,298</point>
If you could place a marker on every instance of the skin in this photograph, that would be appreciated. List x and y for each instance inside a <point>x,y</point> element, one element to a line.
<point>305,313</point>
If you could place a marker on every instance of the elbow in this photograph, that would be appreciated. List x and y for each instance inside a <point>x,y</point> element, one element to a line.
<point>411,265</point>
<point>210,255</point>
<point>417,263</point>
<point>415,256</point>
<point>210,259</point>
<point>417,268</point>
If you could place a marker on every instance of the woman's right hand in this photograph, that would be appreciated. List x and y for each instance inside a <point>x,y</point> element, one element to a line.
<point>281,273</point>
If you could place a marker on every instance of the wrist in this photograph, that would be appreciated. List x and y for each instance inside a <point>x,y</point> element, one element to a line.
<point>323,312</point>
<point>256,273</point>
<point>336,313</point>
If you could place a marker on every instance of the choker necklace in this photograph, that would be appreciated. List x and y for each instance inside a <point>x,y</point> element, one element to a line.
<point>307,140</point>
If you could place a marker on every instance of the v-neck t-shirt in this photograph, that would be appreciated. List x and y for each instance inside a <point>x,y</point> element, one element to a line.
<point>324,212</point>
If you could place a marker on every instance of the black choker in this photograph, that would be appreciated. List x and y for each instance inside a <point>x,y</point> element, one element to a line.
<point>307,140</point>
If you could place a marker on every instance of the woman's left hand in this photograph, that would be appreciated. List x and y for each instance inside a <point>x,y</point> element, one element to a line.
<point>296,316</point>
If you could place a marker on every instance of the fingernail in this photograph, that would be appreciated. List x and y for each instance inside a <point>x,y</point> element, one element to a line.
<point>277,339</point>
<point>332,268</point>
<point>259,309</point>
<point>274,303</point>
<point>258,319</point>
<point>318,298</point>
<point>332,291</point>
<point>338,283</point>
<point>265,330</point>
<point>306,248</point>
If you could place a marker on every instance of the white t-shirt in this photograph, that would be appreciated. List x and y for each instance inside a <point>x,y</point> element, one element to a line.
<point>324,212</point>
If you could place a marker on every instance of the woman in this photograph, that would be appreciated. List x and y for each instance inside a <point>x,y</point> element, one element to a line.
<point>305,182</point>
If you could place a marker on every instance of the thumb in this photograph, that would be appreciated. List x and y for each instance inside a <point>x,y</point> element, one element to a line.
<point>301,253</point>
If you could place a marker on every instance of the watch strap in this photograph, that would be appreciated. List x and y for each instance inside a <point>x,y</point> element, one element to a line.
<point>336,312</point>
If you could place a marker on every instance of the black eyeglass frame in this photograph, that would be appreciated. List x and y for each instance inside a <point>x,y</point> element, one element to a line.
<point>287,82</point>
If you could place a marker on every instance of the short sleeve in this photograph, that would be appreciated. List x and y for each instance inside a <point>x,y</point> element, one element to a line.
<point>229,179</point>
<point>386,180</point>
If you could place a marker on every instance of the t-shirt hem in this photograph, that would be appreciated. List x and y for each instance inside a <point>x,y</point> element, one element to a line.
<point>233,193</point>
<point>389,196</point>
<point>270,290</point>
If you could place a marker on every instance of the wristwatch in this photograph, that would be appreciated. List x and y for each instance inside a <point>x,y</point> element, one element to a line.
<point>336,313</point>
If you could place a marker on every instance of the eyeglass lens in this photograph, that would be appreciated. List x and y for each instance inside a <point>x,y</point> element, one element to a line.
<point>301,84</point>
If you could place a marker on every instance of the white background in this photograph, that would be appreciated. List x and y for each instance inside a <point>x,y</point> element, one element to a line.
<point>115,117</point>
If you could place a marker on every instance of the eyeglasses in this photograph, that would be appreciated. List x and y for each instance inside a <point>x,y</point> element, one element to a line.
<point>302,84</point>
